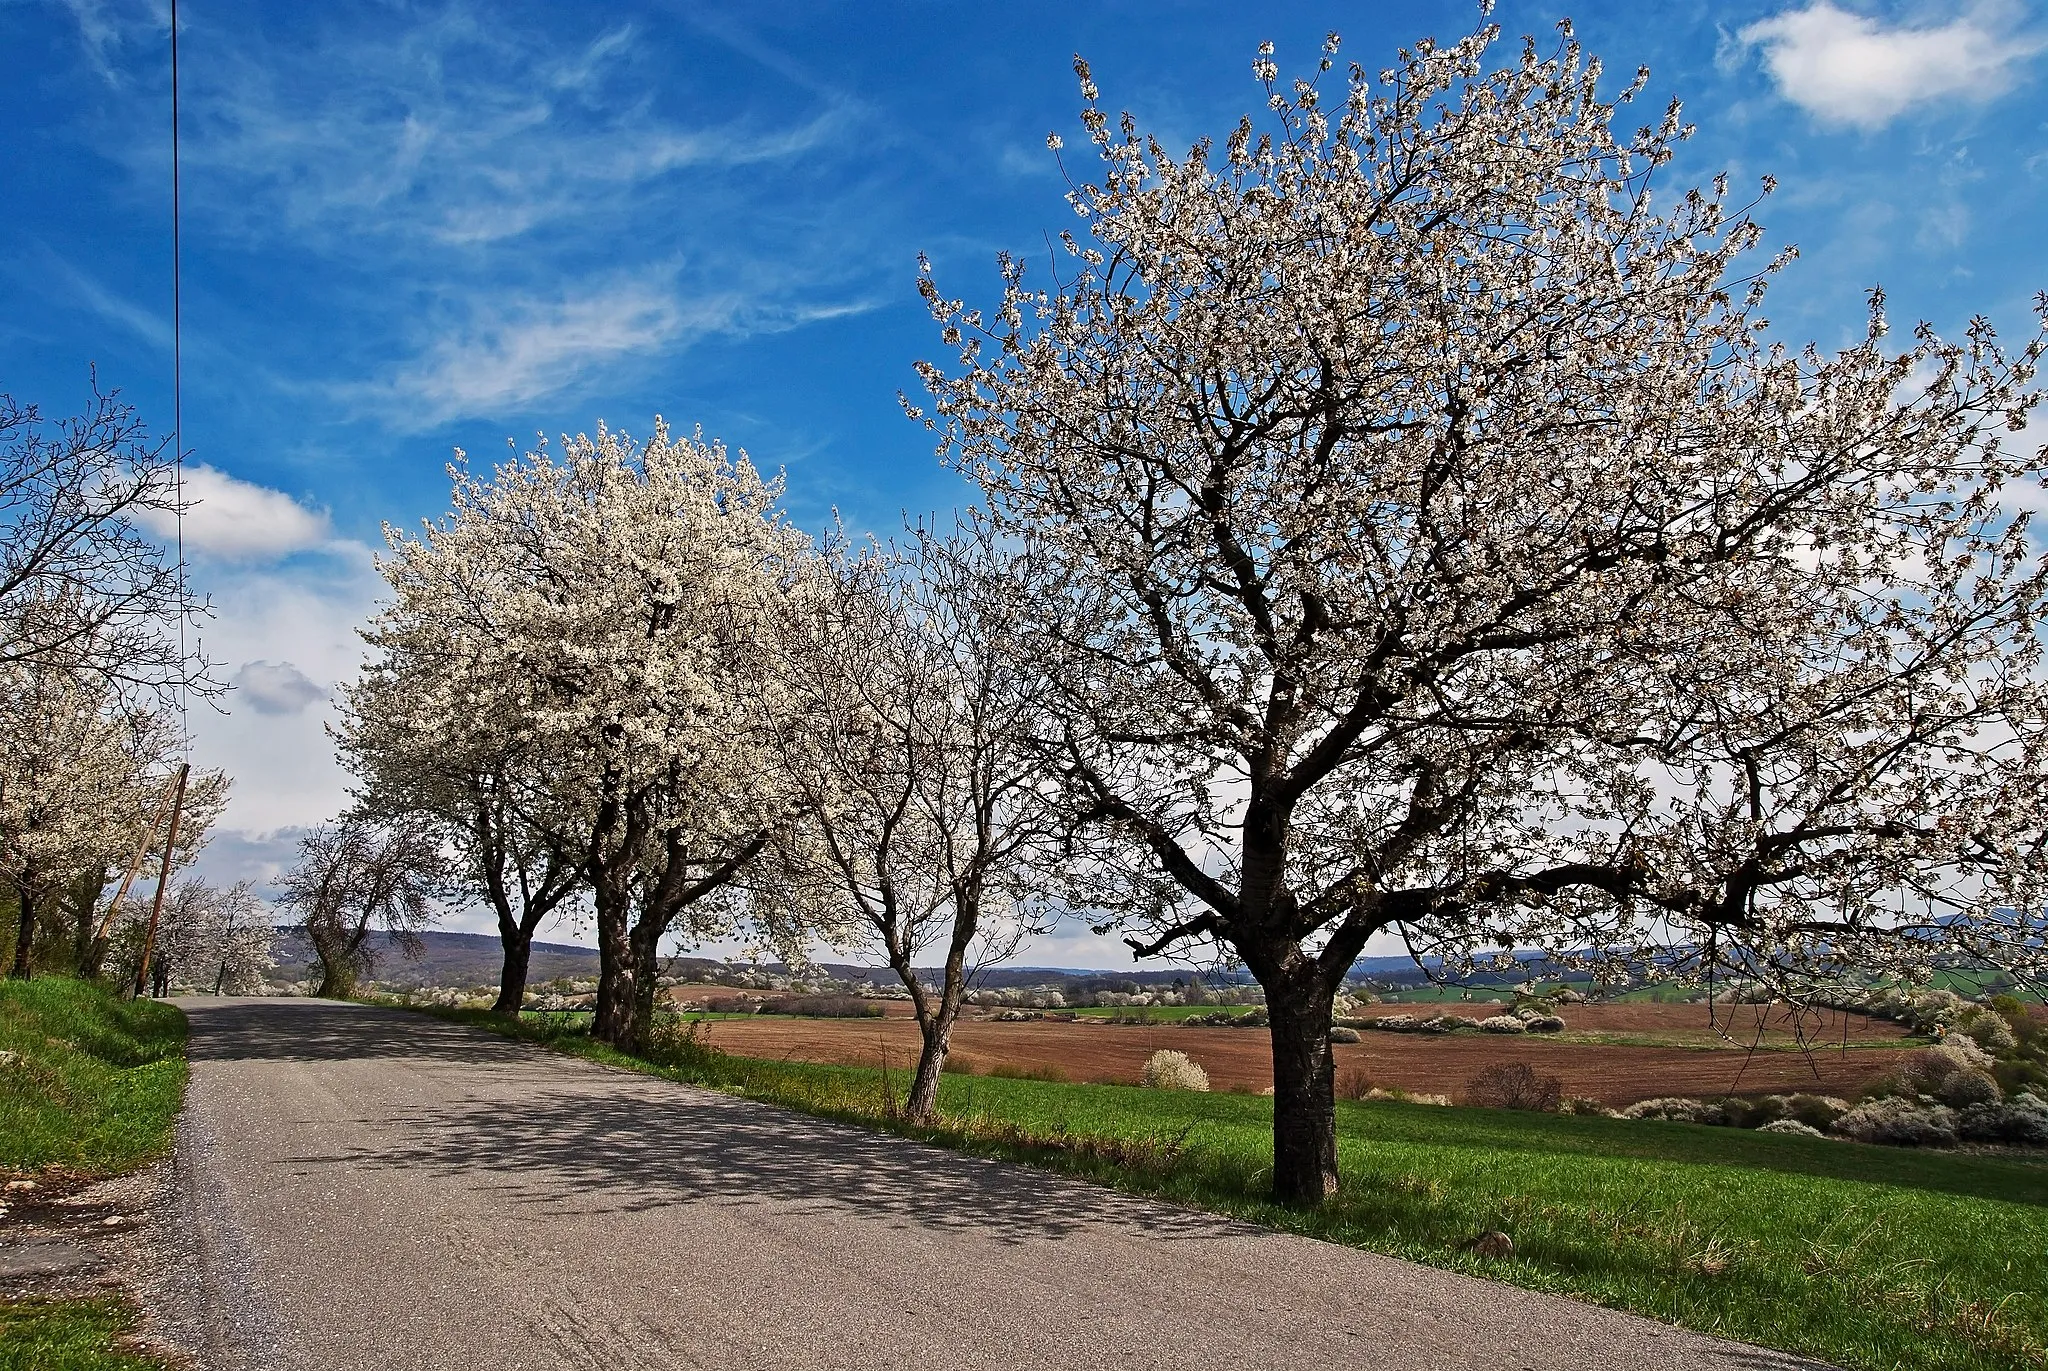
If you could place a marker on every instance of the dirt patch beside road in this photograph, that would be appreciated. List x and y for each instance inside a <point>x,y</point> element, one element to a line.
<point>1240,1058</point>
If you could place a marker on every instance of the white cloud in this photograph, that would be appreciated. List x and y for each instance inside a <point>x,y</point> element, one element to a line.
<point>276,688</point>
<point>240,521</point>
<point>234,854</point>
<point>299,618</point>
<point>1849,69</point>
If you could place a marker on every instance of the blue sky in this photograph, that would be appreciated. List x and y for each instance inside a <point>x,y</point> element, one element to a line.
<point>413,227</point>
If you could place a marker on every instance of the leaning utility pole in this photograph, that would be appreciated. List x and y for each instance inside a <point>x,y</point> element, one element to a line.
<point>163,880</point>
<point>96,953</point>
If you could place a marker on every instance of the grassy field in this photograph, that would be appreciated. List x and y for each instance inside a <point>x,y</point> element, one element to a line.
<point>89,1086</point>
<point>1872,1258</point>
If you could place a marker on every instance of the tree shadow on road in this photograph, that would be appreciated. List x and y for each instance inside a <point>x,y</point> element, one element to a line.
<point>307,1030</point>
<point>638,1145</point>
<point>569,1137</point>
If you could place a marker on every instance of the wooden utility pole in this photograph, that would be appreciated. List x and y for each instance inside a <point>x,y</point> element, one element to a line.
<point>163,880</point>
<point>96,956</point>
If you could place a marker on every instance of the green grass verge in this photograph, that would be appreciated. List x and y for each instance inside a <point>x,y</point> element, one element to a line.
<point>1872,1258</point>
<point>88,1083</point>
<point>69,1335</point>
<point>89,1086</point>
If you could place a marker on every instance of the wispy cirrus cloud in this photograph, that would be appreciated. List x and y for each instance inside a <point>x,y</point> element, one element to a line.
<point>52,268</point>
<point>501,351</point>
<point>457,131</point>
<point>1850,69</point>
<point>506,217</point>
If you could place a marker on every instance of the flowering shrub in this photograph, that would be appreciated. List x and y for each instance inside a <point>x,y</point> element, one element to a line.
<point>1792,1126</point>
<point>1899,1122</point>
<point>1990,1031</point>
<point>1815,1111</point>
<point>1501,1023</point>
<point>1170,1070</point>
<point>2023,1120</point>
<point>1678,1109</point>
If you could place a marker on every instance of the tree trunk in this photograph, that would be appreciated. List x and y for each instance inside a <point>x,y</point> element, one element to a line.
<point>25,939</point>
<point>1304,1093</point>
<point>613,1022</point>
<point>337,982</point>
<point>935,1022</point>
<point>646,943</point>
<point>338,958</point>
<point>518,943</point>
<point>931,1064</point>
<point>84,915</point>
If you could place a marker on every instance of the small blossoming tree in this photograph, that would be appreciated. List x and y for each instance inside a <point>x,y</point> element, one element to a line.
<point>907,741</point>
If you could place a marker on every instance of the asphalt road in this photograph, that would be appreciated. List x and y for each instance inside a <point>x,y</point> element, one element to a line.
<point>358,1188</point>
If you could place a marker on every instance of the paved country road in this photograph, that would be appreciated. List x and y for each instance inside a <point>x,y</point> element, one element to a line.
<point>362,1188</point>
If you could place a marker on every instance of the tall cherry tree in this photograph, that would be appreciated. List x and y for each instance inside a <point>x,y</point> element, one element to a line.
<point>607,608</point>
<point>1431,546</point>
<point>476,788</point>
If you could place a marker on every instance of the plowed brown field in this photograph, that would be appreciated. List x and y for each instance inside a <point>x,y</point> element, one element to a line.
<point>1239,1058</point>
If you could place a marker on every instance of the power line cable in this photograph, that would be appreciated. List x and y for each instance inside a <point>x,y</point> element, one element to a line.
<point>178,394</point>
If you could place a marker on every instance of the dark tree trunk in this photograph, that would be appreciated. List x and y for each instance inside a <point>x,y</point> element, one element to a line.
<point>25,938</point>
<point>646,944</point>
<point>1304,1091</point>
<point>518,943</point>
<point>935,1021</point>
<point>84,913</point>
<point>613,1022</point>
<point>337,979</point>
<point>339,958</point>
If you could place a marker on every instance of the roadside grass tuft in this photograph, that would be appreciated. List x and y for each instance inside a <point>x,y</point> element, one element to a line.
<point>1872,1258</point>
<point>88,1083</point>
<point>69,1335</point>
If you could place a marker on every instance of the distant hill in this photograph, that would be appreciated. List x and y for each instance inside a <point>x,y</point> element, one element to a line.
<point>451,959</point>
<point>472,959</point>
<point>466,959</point>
